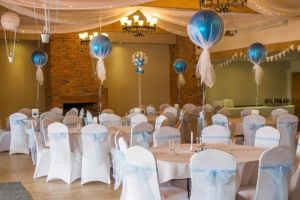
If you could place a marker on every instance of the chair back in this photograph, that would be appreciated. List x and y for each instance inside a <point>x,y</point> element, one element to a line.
<point>47,114</point>
<point>19,138</point>
<point>141,135</point>
<point>159,121</point>
<point>26,111</point>
<point>171,118</point>
<point>57,111</point>
<point>137,119</point>
<point>250,125</point>
<point>188,106</point>
<point>109,120</point>
<point>274,174</point>
<point>213,179</point>
<point>141,175</point>
<point>172,110</point>
<point>150,110</point>
<point>163,106</point>
<point>216,134</point>
<point>267,137</point>
<point>287,125</point>
<point>189,123</point>
<point>163,135</point>
<point>108,111</point>
<point>73,111</point>
<point>208,108</point>
<point>18,123</point>
<point>81,113</point>
<point>278,112</point>
<point>245,112</point>
<point>44,127</point>
<point>89,117</point>
<point>219,119</point>
<point>71,121</point>
<point>224,111</point>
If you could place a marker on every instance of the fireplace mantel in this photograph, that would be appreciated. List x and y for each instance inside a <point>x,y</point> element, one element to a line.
<point>79,99</point>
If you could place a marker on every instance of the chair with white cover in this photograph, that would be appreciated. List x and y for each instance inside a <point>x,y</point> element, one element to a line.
<point>108,111</point>
<point>71,121</point>
<point>216,134</point>
<point>42,156</point>
<point>188,106</point>
<point>287,125</point>
<point>64,164</point>
<point>163,106</point>
<point>224,111</point>
<point>89,118</point>
<point>278,112</point>
<point>298,149</point>
<point>142,178</point>
<point>159,121</point>
<point>57,111</point>
<point>81,113</point>
<point>172,119</point>
<point>5,137</point>
<point>110,120</point>
<point>267,137</point>
<point>273,176</point>
<point>215,178</point>
<point>172,110</point>
<point>73,111</point>
<point>250,125</point>
<point>137,119</point>
<point>48,114</point>
<point>245,112</point>
<point>19,138</point>
<point>295,184</point>
<point>26,111</point>
<point>95,154</point>
<point>141,135</point>
<point>220,119</point>
<point>44,128</point>
<point>150,110</point>
<point>163,135</point>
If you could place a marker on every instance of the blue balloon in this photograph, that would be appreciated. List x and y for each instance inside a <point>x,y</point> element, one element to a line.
<point>39,58</point>
<point>100,46</point>
<point>205,28</point>
<point>180,66</point>
<point>257,53</point>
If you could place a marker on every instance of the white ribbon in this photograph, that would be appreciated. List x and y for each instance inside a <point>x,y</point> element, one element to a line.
<point>101,72</point>
<point>205,69</point>
<point>39,76</point>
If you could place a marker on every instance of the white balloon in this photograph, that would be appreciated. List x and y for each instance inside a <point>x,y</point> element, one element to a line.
<point>10,21</point>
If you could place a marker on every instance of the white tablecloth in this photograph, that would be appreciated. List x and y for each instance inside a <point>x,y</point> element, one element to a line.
<point>176,165</point>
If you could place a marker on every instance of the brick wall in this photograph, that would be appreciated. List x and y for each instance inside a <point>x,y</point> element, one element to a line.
<point>71,74</point>
<point>190,92</point>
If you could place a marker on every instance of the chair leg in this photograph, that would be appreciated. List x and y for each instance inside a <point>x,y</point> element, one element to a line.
<point>189,187</point>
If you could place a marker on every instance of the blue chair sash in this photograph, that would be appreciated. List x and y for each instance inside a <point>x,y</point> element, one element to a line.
<point>221,123</point>
<point>57,136</point>
<point>254,127</point>
<point>96,137</point>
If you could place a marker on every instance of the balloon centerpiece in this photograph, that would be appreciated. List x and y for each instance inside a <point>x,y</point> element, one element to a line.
<point>139,59</point>
<point>180,66</point>
<point>100,48</point>
<point>39,60</point>
<point>256,54</point>
<point>10,21</point>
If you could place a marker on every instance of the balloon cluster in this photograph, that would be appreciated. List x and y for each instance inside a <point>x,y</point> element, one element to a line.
<point>139,59</point>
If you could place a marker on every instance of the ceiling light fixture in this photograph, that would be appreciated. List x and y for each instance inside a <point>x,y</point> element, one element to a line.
<point>222,6</point>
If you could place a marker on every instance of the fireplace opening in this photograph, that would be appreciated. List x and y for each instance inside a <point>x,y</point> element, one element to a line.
<point>91,106</point>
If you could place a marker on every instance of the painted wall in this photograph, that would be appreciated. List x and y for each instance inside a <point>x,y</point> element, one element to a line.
<point>122,81</point>
<point>237,82</point>
<point>17,80</point>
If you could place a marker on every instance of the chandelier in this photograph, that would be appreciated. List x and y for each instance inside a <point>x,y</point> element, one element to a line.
<point>86,37</point>
<point>222,6</point>
<point>137,26</point>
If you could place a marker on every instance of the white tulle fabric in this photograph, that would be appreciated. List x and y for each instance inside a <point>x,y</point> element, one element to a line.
<point>163,135</point>
<point>213,181</point>
<point>95,154</point>
<point>64,164</point>
<point>250,125</point>
<point>19,138</point>
<point>267,137</point>
<point>216,134</point>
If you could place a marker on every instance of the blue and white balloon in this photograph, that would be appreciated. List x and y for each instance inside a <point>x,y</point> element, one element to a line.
<point>39,59</point>
<point>100,48</point>
<point>180,66</point>
<point>139,60</point>
<point>205,29</point>
<point>256,54</point>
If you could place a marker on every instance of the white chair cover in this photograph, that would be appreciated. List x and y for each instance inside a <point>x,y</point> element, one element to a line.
<point>141,135</point>
<point>163,135</point>
<point>267,137</point>
<point>5,137</point>
<point>224,111</point>
<point>287,125</point>
<point>89,118</point>
<point>273,175</point>
<point>57,111</point>
<point>110,120</point>
<point>250,125</point>
<point>44,128</point>
<point>42,156</point>
<point>216,134</point>
<point>159,121</point>
<point>137,119</point>
<point>73,111</point>
<point>295,184</point>
<point>245,112</point>
<point>108,111</point>
<point>19,138</point>
<point>278,112</point>
<point>298,149</point>
<point>213,179</point>
<point>172,110</point>
<point>150,110</point>
<point>72,121</point>
<point>26,111</point>
<point>188,106</point>
<point>163,106</point>
<point>219,119</point>
<point>65,164</point>
<point>81,113</point>
<point>171,118</point>
<point>142,178</point>
<point>95,154</point>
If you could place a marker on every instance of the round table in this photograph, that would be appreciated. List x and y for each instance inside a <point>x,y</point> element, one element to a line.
<point>175,165</point>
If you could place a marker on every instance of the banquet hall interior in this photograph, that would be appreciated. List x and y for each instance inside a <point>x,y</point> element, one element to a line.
<point>150,99</point>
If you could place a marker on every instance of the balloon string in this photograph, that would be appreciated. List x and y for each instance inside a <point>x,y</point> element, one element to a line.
<point>36,24</point>
<point>203,103</point>
<point>140,91</point>
<point>100,97</point>
<point>257,95</point>
<point>14,47</point>
<point>179,95</point>
<point>37,94</point>
<point>7,50</point>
